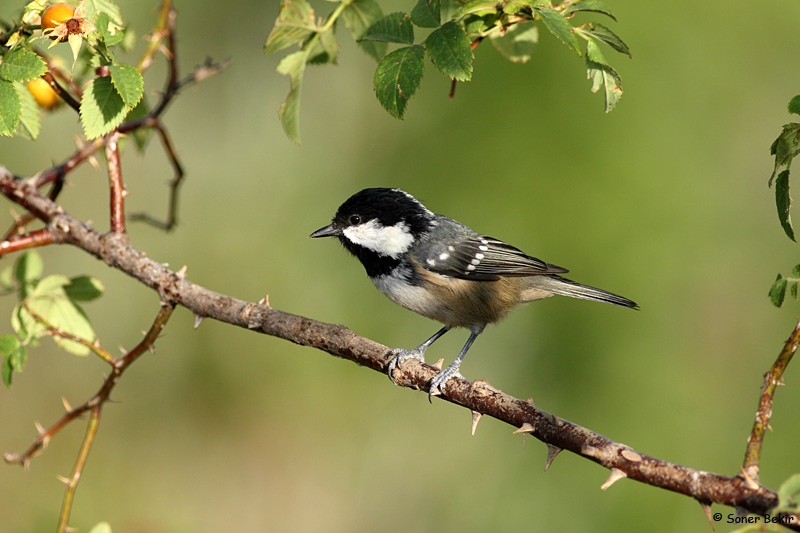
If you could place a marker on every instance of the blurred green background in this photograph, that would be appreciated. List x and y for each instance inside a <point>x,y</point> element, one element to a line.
<point>664,201</point>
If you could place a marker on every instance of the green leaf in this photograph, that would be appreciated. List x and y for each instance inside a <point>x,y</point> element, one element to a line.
<point>794,105</point>
<point>10,108</point>
<point>476,7</point>
<point>602,75</point>
<point>30,123</point>
<point>785,148</point>
<point>294,66</point>
<point>789,493</point>
<point>50,301</point>
<point>84,289</point>
<point>8,371</point>
<point>128,82</point>
<point>397,78</point>
<point>451,51</point>
<point>558,26</point>
<point>29,267</point>
<point>324,50</point>
<point>98,7</point>
<point>6,280</point>
<point>427,13</point>
<point>393,28</point>
<point>102,108</point>
<point>110,32</point>
<point>589,5</point>
<point>359,15</point>
<point>513,7</point>
<point>783,202</point>
<point>605,35</point>
<point>519,42</point>
<point>778,291</point>
<point>294,23</point>
<point>21,64</point>
<point>8,343</point>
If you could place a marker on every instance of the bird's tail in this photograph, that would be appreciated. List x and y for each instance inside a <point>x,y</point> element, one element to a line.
<point>567,287</point>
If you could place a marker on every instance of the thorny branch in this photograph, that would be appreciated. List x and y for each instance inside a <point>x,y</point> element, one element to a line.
<point>480,397</point>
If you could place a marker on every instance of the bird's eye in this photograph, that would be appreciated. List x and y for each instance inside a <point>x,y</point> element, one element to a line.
<point>355,219</point>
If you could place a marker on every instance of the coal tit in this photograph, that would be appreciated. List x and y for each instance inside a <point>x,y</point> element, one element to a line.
<point>443,270</point>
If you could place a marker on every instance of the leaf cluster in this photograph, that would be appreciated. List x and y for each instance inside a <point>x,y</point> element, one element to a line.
<point>48,306</point>
<point>454,30</point>
<point>112,89</point>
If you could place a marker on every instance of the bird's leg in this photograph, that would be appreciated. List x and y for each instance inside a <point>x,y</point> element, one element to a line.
<point>418,353</point>
<point>451,370</point>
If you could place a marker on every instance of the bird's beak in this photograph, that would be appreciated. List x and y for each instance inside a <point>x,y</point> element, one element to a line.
<point>327,231</point>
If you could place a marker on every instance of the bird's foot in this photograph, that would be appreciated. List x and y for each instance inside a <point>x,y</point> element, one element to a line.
<point>439,380</point>
<point>401,355</point>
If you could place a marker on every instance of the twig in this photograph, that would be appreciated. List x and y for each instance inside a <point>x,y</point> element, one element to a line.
<point>772,378</point>
<point>338,340</point>
<point>80,462</point>
<point>33,239</point>
<point>116,186</point>
<point>61,92</point>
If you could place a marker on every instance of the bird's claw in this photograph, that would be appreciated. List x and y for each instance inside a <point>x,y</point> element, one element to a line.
<point>440,379</point>
<point>401,355</point>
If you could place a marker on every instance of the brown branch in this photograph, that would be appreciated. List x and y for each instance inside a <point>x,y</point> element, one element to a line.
<point>62,92</point>
<point>29,240</point>
<point>772,378</point>
<point>116,186</point>
<point>338,340</point>
<point>80,462</point>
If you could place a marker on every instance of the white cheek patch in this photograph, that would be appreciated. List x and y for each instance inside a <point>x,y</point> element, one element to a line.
<point>389,241</point>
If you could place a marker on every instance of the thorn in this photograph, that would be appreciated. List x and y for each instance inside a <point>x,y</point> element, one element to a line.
<point>63,479</point>
<point>769,427</point>
<point>526,427</point>
<point>552,451</point>
<point>438,365</point>
<point>10,457</point>
<point>198,319</point>
<point>93,161</point>
<point>39,427</point>
<point>530,402</point>
<point>122,350</point>
<point>67,406</point>
<point>125,193</point>
<point>706,505</point>
<point>182,272</point>
<point>476,417</point>
<point>616,475</point>
<point>264,301</point>
<point>748,481</point>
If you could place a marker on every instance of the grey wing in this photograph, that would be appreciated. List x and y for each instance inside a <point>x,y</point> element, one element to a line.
<point>482,258</point>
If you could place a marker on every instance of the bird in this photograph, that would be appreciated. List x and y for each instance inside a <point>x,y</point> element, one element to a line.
<point>443,270</point>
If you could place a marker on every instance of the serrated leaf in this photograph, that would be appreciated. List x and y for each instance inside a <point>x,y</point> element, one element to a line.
<point>84,289</point>
<point>451,51</point>
<point>476,7</point>
<point>558,26</point>
<point>359,15</point>
<point>785,148</point>
<point>397,78</point>
<point>427,13</point>
<point>778,291</point>
<point>794,105</point>
<point>128,82</point>
<point>602,75</point>
<point>97,7</point>
<point>294,66</point>
<point>102,108</point>
<point>30,123</point>
<point>513,7</point>
<point>295,22</point>
<point>29,267</point>
<point>110,32</point>
<point>784,202</point>
<point>50,301</point>
<point>325,49</point>
<point>393,28</point>
<point>519,42</point>
<point>605,35</point>
<point>10,108</point>
<point>22,65</point>
<point>589,5</point>
<point>789,493</point>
